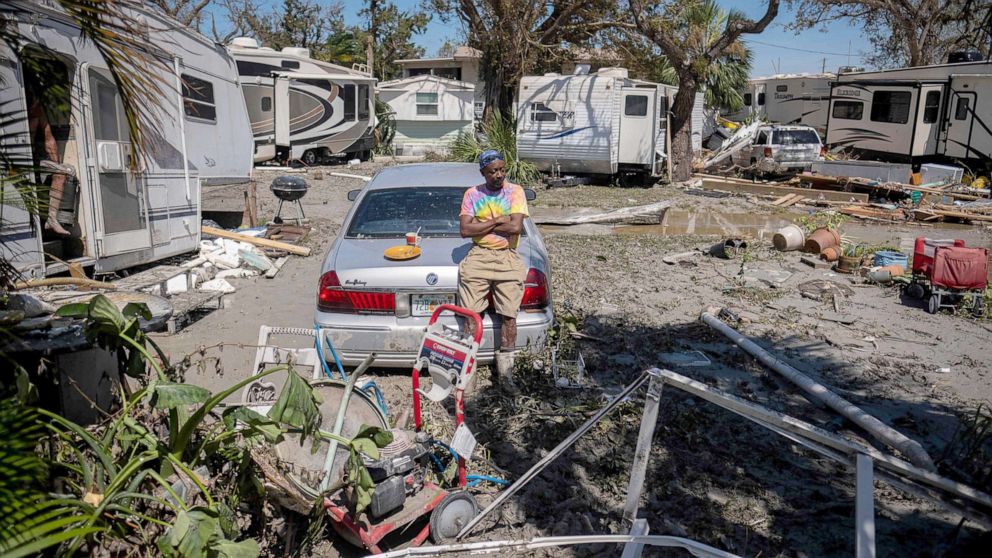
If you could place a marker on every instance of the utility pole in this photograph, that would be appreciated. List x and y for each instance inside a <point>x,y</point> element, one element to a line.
<point>370,40</point>
<point>824,70</point>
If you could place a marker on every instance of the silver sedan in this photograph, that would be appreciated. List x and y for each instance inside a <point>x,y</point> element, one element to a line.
<point>368,303</point>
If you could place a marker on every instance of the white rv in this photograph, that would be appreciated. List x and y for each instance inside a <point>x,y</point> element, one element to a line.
<point>906,114</point>
<point>118,214</point>
<point>602,123</point>
<point>302,108</point>
<point>787,99</point>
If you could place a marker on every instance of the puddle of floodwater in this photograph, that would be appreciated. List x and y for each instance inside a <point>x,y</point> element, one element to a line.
<point>761,227</point>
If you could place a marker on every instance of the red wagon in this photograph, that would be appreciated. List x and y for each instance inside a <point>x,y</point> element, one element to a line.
<point>946,270</point>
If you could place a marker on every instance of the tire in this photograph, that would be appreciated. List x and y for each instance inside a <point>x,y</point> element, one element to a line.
<point>915,290</point>
<point>310,157</point>
<point>933,305</point>
<point>978,309</point>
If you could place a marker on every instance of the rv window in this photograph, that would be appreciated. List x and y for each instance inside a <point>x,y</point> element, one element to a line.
<point>931,107</point>
<point>363,102</point>
<point>348,98</point>
<point>961,111</point>
<point>290,64</point>
<point>426,104</point>
<point>198,98</point>
<point>761,99</point>
<point>539,112</point>
<point>266,104</point>
<point>890,106</point>
<point>747,99</point>
<point>635,105</point>
<point>781,88</point>
<point>848,110</point>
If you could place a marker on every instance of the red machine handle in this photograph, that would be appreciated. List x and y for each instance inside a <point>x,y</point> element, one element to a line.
<point>463,312</point>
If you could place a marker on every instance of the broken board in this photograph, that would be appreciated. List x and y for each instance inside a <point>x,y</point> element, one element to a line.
<point>740,187</point>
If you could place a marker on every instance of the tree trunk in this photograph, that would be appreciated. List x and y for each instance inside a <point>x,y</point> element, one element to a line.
<point>499,88</point>
<point>682,129</point>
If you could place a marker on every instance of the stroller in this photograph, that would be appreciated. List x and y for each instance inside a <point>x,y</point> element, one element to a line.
<point>946,270</point>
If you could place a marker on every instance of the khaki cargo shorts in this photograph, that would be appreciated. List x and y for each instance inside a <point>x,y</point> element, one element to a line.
<point>484,270</point>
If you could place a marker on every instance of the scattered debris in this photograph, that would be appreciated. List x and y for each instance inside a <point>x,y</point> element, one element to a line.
<point>824,290</point>
<point>615,216</point>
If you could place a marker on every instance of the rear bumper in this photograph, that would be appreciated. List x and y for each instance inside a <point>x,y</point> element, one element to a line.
<point>771,165</point>
<point>397,346</point>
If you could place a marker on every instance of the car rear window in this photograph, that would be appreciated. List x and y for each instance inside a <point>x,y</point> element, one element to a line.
<point>395,212</point>
<point>794,137</point>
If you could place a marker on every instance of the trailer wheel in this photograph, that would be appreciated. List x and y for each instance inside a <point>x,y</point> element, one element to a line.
<point>934,304</point>
<point>978,309</point>
<point>309,157</point>
<point>915,290</point>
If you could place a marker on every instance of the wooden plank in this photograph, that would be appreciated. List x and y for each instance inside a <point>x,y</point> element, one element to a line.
<point>783,199</point>
<point>255,241</point>
<point>795,199</point>
<point>770,190</point>
<point>962,215</point>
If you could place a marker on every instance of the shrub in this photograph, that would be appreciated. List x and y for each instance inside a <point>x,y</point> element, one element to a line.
<point>499,133</point>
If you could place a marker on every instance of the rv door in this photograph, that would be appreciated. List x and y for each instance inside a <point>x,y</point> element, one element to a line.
<point>117,183</point>
<point>637,122</point>
<point>958,135</point>
<point>280,97</point>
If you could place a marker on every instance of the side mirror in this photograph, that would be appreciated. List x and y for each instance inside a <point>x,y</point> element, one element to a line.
<point>353,195</point>
<point>531,195</point>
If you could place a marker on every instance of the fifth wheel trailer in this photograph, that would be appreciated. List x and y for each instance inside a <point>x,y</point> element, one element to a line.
<point>602,123</point>
<point>122,209</point>
<point>787,99</point>
<point>915,114</point>
<point>302,108</point>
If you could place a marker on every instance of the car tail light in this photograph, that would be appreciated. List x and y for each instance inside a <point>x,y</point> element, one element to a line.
<point>768,152</point>
<point>536,294</point>
<point>332,298</point>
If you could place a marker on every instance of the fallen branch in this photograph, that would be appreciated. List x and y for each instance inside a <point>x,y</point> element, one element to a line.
<point>53,281</point>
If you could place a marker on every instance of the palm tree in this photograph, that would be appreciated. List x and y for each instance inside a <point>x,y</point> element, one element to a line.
<point>726,75</point>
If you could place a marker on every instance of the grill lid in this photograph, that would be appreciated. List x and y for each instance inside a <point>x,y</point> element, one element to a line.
<point>288,188</point>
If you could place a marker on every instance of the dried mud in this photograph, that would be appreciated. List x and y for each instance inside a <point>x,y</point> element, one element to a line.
<point>712,476</point>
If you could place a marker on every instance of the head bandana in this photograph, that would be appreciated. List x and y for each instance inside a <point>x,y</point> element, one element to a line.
<point>488,157</point>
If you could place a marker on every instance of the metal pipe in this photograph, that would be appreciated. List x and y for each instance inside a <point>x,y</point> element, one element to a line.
<point>487,547</point>
<point>339,421</point>
<point>553,454</point>
<point>819,393</point>
<point>638,470</point>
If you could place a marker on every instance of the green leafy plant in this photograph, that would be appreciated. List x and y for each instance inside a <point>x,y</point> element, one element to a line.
<point>821,219</point>
<point>498,132</point>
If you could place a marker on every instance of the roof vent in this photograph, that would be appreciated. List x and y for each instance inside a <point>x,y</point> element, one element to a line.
<point>964,56</point>
<point>849,69</point>
<point>297,51</point>
<point>581,70</point>
<point>613,72</point>
<point>244,42</point>
<point>551,74</point>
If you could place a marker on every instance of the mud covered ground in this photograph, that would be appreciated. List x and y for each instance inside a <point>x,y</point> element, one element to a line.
<point>712,476</point>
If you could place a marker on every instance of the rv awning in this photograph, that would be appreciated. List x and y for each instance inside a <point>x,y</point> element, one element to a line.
<point>296,75</point>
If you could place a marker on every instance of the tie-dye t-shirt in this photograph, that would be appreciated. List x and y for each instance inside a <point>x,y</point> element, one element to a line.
<point>481,203</point>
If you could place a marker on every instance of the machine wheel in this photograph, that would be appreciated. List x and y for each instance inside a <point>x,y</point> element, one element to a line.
<point>915,290</point>
<point>310,157</point>
<point>934,304</point>
<point>978,309</point>
<point>451,515</point>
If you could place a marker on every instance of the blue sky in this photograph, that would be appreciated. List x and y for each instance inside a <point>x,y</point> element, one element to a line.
<point>775,48</point>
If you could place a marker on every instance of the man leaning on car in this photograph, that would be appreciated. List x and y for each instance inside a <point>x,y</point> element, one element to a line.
<point>492,215</point>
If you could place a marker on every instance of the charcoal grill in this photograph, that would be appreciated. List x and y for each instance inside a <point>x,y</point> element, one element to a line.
<point>289,189</point>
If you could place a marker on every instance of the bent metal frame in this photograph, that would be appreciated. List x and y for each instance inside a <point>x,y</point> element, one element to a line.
<point>956,497</point>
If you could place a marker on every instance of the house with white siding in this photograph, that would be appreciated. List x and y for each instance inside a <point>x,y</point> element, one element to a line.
<point>462,65</point>
<point>430,111</point>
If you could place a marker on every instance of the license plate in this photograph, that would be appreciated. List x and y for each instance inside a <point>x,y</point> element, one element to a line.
<point>426,304</point>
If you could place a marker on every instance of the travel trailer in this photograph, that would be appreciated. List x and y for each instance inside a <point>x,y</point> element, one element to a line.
<point>302,108</point>
<point>601,123</point>
<point>911,114</point>
<point>787,99</point>
<point>120,209</point>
